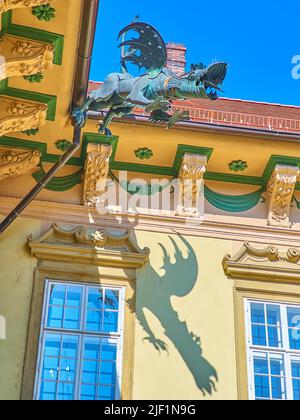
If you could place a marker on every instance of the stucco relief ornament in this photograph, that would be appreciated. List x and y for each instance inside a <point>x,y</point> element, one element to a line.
<point>281,188</point>
<point>6,5</point>
<point>13,164</point>
<point>155,89</point>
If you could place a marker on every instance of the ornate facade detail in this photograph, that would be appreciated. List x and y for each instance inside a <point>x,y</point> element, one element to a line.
<point>281,188</point>
<point>19,115</point>
<point>14,164</point>
<point>6,5</point>
<point>268,264</point>
<point>96,171</point>
<point>191,196</point>
<point>24,57</point>
<point>89,246</point>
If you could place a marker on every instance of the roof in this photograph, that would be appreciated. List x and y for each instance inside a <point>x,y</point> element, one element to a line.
<point>237,113</point>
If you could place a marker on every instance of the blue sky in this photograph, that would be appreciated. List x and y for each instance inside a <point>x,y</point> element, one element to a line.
<point>258,39</point>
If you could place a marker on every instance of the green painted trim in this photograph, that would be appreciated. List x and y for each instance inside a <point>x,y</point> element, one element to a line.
<point>57,40</point>
<point>283,160</point>
<point>233,203</point>
<point>49,100</point>
<point>238,179</point>
<point>59,184</point>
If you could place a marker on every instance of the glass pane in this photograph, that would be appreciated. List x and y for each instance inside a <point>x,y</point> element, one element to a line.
<point>67,370</point>
<point>92,348</point>
<point>262,389</point>
<point>57,294</point>
<point>261,366</point>
<point>259,337</point>
<point>110,323</point>
<point>50,368</point>
<point>106,393</point>
<point>90,371</point>
<point>293,314</point>
<point>52,345</point>
<point>74,294</point>
<point>94,321</point>
<point>111,299</point>
<point>277,379</point>
<point>48,391</point>
<point>273,315</point>
<point>65,391</point>
<point>88,392</point>
<point>55,316</point>
<point>72,319</point>
<point>257,313</point>
<point>296,380</point>
<point>70,346</point>
<point>95,298</point>
<point>274,337</point>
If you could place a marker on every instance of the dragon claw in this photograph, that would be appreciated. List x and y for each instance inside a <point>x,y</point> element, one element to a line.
<point>78,117</point>
<point>157,343</point>
<point>104,130</point>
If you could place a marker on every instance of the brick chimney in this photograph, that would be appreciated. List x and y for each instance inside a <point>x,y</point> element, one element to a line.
<point>176,61</point>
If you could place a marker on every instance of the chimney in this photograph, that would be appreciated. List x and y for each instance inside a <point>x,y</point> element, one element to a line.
<point>176,61</point>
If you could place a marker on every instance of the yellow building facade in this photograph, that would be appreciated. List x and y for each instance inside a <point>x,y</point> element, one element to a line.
<point>195,253</point>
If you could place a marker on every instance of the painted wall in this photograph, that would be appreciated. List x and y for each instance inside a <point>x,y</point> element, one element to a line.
<point>188,304</point>
<point>16,280</point>
<point>184,305</point>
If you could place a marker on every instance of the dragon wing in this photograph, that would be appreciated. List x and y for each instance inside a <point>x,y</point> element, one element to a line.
<point>148,50</point>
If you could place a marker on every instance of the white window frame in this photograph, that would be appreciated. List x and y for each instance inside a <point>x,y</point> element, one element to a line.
<point>285,352</point>
<point>117,337</point>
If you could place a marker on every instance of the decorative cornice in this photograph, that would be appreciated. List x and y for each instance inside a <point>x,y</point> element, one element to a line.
<point>96,172</point>
<point>281,189</point>
<point>16,4</point>
<point>89,246</point>
<point>14,164</point>
<point>266,264</point>
<point>18,115</point>
<point>24,57</point>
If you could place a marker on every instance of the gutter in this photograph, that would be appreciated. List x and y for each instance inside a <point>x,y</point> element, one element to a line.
<point>84,55</point>
<point>213,128</point>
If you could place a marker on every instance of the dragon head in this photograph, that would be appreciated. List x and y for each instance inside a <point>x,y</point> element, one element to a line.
<point>207,80</point>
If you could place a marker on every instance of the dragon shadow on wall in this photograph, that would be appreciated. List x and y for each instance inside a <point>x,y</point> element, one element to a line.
<point>154,90</point>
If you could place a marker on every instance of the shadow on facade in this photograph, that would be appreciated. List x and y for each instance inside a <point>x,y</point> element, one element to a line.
<point>154,294</point>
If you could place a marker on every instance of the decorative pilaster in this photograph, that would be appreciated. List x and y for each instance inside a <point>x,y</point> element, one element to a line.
<point>6,5</point>
<point>23,57</point>
<point>281,188</point>
<point>19,115</point>
<point>13,164</point>
<point>190,199</point>
<point>96,172</point>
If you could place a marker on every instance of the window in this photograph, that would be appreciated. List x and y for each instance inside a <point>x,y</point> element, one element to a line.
<point>273,347</point>
<point>80,349</point>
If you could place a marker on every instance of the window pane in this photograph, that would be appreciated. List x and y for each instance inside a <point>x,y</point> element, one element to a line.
<point>110,323</point>
<point>88,392</point>
<point>273,315</point>
<point>277,378</point>
<point>274,337</point>
<point>259,337</point>
<point>48,391</point>
<point>90,371</point>
<point>52,345</point>
<point>106,392</point>
<point>72,319</point>
<point>95,298</point>
<point>50,368</point>
<point>74,295</point>
<point>57,294</point>
<point>257,313</point>
<point>65,391</point>
<point>111,299</point>
<point>296,380</point>
<point>92,348</point>
<point>261,378</point>
<point>94,321</point>
<point>55,317</point>
<point>293,315</point>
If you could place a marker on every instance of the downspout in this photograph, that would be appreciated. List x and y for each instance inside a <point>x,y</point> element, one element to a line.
<point>87,33</point>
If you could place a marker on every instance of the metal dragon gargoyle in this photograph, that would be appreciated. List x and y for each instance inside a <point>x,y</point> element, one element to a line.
<point>154,90</point>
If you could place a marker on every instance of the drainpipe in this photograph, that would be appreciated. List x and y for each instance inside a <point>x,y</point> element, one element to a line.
<point>87,33</point>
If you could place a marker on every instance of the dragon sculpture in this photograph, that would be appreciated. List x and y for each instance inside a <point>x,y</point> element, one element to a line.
<point>154,90</point>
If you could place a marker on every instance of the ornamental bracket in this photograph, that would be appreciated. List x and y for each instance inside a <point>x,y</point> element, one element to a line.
<point>24,57</point>
<point>19,115</point>
<point>191,183</point>
<point>281,188</point>
<point>13,164</point>
<point>96,172</point>
<point>16,4</point>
